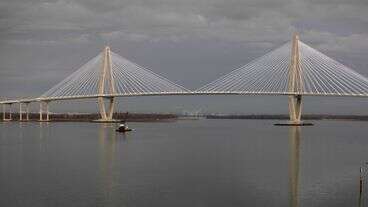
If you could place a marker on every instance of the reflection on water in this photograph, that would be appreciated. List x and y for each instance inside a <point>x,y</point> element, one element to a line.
<point>185,163</point>
<point>294,145</point>
<point>43,135</point>
<point>108,149</point>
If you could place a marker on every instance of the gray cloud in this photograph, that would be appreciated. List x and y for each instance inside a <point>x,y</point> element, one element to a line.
<point>138,20</point>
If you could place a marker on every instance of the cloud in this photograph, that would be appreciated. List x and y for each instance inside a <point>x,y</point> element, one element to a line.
<point>137,20</point>
<point>353,43</point>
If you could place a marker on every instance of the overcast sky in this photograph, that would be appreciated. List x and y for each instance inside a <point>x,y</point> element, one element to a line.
<point>191,42</point>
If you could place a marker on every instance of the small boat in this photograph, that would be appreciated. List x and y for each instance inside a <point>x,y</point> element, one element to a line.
<point>123,128</point>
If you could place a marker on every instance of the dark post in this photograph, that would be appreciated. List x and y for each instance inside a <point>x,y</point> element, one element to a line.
<point>360,186</point>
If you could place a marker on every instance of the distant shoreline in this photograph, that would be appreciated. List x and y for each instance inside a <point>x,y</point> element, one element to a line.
<point>168,117</point>
<point>286,117</point>
<point>86,117</point>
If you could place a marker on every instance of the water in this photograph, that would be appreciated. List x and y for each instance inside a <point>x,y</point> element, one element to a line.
<point>185,163</point>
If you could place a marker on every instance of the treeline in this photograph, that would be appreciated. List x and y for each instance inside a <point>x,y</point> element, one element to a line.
<point>285,117</point>
<point>94,116</point>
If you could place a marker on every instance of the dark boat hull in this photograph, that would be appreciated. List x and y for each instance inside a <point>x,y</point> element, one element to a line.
<point>123,130</point>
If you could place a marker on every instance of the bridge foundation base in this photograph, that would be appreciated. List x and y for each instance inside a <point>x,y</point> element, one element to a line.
<point>290,123</point>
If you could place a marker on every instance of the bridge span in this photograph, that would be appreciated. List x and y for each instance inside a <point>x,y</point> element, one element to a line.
<point>294,70</point>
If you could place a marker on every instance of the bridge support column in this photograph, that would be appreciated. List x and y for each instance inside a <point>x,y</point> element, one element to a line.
<point>106,79</point>
<point>10,112</point>
<point>4,112</point>
<point>46,105</point>
<point>27,111</point>
<point>106,116</point>
<point>47,111</point>
<point>101,106</point>
<point>20,111</point>
<point>111,108</point>
<point>41,111</point>
<point>295,109</point>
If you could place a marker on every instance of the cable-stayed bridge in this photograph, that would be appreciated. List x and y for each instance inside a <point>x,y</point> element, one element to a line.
<point>294,70</point>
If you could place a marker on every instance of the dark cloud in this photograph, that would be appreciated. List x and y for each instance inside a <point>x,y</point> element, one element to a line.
<point>230,20</point>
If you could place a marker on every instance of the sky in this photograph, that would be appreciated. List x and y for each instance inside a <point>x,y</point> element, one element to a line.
<point>190,42</point>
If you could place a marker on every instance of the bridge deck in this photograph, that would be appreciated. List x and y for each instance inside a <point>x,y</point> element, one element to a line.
<point>194,93</point>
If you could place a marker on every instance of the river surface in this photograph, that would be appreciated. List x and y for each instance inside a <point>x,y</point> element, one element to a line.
<point>184,163</point>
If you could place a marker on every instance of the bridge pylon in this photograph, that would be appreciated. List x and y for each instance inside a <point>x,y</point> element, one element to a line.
<point>5,118</point>
<point>44,105</point>
<point>295,84</point>
<point>106,84</point>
